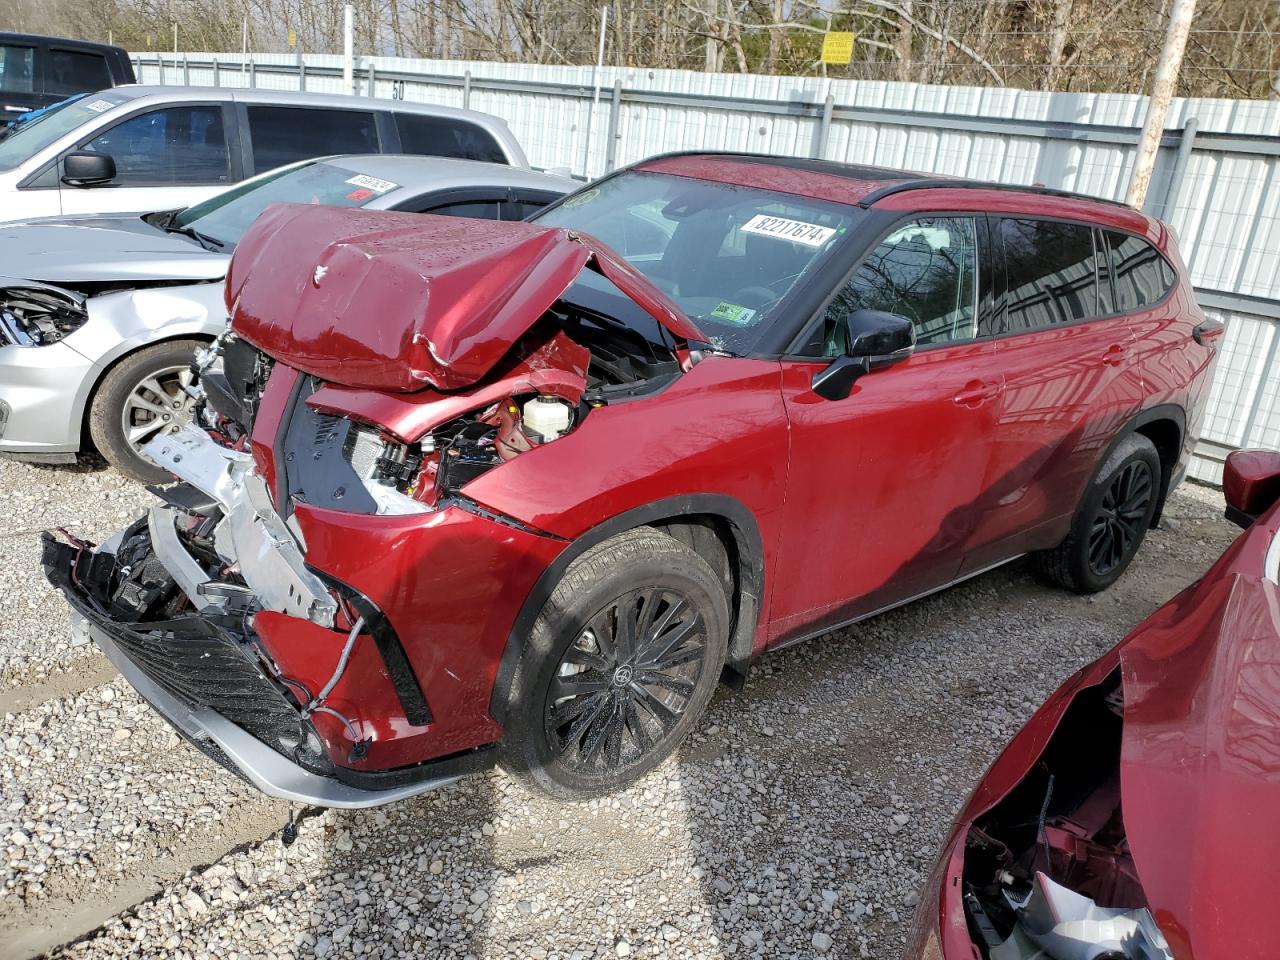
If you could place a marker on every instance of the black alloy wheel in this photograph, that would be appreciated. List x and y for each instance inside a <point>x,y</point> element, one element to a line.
<point>1110,522</point>
<point>624,683</point>
<point>617,668</point>
<point>1122,520</point>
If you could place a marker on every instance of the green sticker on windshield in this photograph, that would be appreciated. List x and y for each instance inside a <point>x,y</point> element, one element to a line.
<point>732,313</point>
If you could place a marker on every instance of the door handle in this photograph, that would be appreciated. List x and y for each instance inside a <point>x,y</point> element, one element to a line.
<point>1116,354</point>
<point>976,393</point>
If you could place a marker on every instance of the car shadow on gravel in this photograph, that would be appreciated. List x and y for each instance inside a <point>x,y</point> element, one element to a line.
<point>819,796</point>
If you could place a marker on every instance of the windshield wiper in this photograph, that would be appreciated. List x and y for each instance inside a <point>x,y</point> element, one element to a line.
<point>209,243</point>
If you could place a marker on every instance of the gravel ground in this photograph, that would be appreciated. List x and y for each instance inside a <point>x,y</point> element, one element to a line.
<point>798,820</point>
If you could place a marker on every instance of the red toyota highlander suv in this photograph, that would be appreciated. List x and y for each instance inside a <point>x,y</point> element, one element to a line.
<point>465,492</point>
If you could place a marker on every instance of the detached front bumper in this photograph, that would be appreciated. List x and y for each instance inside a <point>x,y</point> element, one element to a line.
<point>232,622</point>
<point>238,750</point>
<point>211,683</point>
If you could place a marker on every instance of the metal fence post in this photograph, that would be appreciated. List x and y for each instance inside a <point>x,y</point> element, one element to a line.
<point>217,76</point>
<point>466,90</point>
<point>372,90</point>
<point>611,145</point>
<point>186,71</point>
<point>160,65</point>
<point>819,151</point>
<point>302,73</point>
<point>1185,146</point>
<point>253,73</point>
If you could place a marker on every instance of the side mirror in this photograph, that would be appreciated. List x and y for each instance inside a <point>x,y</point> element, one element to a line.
<point>875,339</point>
<point>88,169</point>
<point>1251,484</point>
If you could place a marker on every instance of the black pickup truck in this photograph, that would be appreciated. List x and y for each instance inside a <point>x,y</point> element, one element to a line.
<point>37,71</point>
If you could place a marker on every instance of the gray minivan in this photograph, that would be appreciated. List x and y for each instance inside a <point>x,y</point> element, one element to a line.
<point>138,148</point>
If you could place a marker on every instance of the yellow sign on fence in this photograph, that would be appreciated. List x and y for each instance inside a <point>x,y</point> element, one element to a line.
<point>293,38</point>
<point>837,47</point>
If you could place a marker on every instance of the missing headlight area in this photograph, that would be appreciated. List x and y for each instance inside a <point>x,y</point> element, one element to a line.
<point>37,315</point>
<point>1048,874</point>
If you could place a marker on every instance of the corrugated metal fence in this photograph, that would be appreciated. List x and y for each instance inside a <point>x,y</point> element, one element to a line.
<point>1216,181</point>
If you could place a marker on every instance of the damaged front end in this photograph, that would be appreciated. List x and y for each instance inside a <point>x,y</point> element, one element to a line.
<point>1048,873</point>
<point>34,314</point>
<point>318,604</point>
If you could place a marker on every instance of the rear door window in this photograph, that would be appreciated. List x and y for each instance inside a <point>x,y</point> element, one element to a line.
<point>76,71</point>
<point>1141,276</point>
<point>1051,272</point>
<point>288,134</point>
<point>171,145</point>
<point>17,69</point>
<point>445,137</point>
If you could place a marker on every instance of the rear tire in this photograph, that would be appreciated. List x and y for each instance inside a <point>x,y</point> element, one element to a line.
<point>595,706</point>
<point>134,398</point>
<point>1111,522</point>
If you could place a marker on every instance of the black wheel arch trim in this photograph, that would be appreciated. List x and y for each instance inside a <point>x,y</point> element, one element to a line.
<point>745,618</point>
<point>1165,411</point>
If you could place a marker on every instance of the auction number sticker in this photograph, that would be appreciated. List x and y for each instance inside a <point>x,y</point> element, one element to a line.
<point>372,183</point>
<point>797,231</point>
<point>99,106</point>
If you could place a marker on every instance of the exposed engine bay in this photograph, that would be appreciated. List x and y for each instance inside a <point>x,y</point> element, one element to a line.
<point>575,360</point>
<point>1048,874</point>
<point>35,314</point>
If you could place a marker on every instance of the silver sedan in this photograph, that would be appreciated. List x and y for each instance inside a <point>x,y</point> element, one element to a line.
<point>100,317</point>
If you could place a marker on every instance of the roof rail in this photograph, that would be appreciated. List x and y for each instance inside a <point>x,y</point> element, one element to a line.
<point>906,183</point>
<point>935,182</point>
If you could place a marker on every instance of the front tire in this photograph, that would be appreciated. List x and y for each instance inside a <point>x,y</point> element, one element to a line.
<point>619,665</point>
<point>1111,522</point>
<point>143,397</point>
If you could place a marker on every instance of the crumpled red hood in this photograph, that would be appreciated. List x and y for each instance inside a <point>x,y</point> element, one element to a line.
<point>400,301</point>
<point>1200,766</point>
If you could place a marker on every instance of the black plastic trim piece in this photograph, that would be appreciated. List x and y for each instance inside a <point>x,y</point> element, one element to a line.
<point>453,765</point>
<point>408,690</point>
<point>746,618</point>
<point>480,510</point>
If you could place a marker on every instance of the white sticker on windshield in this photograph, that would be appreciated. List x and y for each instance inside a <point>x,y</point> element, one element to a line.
<point>99,106</point>
<point>372,183</point>
<point>797,231</point>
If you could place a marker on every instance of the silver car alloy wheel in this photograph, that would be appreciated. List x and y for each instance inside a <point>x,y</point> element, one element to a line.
<point>157,404</point>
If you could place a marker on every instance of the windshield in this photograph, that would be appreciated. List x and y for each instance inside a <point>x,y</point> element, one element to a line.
<point>728,255</point>
<point>34,131</point>
<point>226,217</point>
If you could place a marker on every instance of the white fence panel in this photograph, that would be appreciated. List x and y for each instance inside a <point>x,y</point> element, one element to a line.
<point>1216,181</point>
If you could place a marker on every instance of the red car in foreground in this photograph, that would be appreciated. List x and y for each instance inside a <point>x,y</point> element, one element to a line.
<point>469,491</point>
<point>1137,814</point>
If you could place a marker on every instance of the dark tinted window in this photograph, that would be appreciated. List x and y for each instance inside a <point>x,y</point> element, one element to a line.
<point>17,69</point>
<point>519,209</point>
<point>445,137</point>
<point>1051,274</point>
<point>73,71</point>
<point>175,145</point>
<point>287,134</point>
<point>1141,276</point>
<point>476,209</point>
<point>926,271</point>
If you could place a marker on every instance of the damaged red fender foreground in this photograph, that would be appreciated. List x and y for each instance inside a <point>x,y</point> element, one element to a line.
<point>1144,792</point>
<point>464,491</point>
